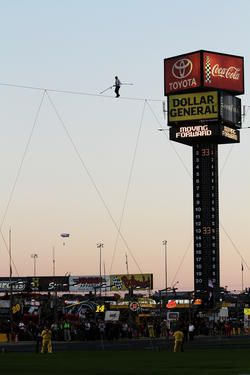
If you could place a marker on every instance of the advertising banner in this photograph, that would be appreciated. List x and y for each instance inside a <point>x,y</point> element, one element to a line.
<point>48,283</point>
<point>209,106</point>
<point>80,284</point>
<point>193,107</point>
<point>223,313</point>
<point>246,311</point>
<point>112,316</point>
<point>182,73</point>
<point>207,133</point>
<point>173,315</point>
<point>87,284</point>
<point>133,281</point>
<point>224,72</point>
<point>34,284</point>
<point>204,70</point>
<point>17,284</point>
<point>4,304</point>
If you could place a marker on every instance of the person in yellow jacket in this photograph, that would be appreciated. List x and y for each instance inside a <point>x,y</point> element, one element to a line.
<point>151,331</point>
<point>178,339</point>
<point>46,341</point>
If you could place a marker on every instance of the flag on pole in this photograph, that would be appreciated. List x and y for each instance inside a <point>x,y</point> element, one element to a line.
<point>242,268</point>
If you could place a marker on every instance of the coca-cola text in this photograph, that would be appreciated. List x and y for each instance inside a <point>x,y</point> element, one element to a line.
<point>230,73</point>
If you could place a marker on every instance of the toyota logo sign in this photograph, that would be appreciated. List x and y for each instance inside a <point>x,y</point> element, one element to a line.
<point>182,68</point>
<point>182,73</point>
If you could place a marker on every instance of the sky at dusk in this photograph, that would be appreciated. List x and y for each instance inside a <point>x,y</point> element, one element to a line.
<point>96,167</point>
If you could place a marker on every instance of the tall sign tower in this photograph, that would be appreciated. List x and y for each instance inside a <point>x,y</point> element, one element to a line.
<point>203,112</point>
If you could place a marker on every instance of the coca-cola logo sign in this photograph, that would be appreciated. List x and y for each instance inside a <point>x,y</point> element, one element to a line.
<point>182,68</point>
<point>223,72</point>
<point>229,73</point>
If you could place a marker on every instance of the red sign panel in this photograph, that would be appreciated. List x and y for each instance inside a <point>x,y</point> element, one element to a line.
<point>204,69</point>
<point>182,73</point>
<point>171,304</point>
<point>224,72</point>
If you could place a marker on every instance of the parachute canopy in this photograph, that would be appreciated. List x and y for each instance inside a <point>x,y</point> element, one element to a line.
<point>64,235</point>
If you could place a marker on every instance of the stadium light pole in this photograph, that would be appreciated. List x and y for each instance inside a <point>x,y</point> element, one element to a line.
<point>165,242</point>
<point>100,246</point>
<point>11,291</point>
<point>34,257</point>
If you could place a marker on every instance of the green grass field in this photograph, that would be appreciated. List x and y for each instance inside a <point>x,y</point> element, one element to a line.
<point>205,362</point>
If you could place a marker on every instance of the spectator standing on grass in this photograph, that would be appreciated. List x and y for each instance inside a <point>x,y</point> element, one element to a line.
<point>46,341</point>
<point>38,338</point>
<point>21,331</point>
<point>164,328</point>
<point>178,340</point>
<point>55,330</point>
<point>101,327</point>
<point>191,329</point>
<point>87,329</point>
<point>124,329</point>
<point>151,331</point>
<point>66,330</point>
<point>228,328</point>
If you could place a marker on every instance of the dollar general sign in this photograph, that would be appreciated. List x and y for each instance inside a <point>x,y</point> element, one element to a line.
<point>193,107</point>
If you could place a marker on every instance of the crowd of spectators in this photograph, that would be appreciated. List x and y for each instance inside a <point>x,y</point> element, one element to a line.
<point>95,329</point>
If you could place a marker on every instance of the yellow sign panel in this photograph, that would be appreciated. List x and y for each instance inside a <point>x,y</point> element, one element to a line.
<point>191,107</point>
<point>246,311</point>
<point>131,282</point>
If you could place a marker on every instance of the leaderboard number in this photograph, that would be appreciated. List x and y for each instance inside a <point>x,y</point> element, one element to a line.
<point>206,230</point>
<point>206,152</point>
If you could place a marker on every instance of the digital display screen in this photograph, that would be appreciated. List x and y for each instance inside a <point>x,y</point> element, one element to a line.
<point>210,133</point>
